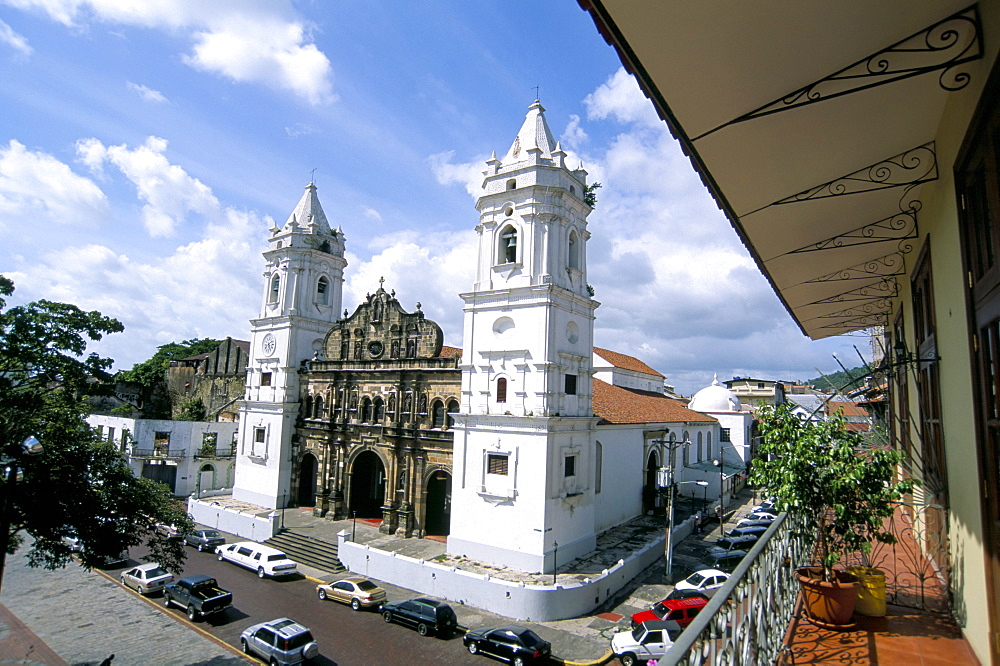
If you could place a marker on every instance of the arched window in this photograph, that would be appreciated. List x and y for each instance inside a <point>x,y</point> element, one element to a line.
<point>699,458</point>
<point>275,288</point>
<point>438,421</point>
<point>598,467</point>
<point>392,405</point>
<point>379,410</point>
<point>308,406</point>
<point>452,409</point>
<point>507,252</point>
<point>708,446</point>
<point>366,410</point>
<point>502,389</point>
<point>512,184</point>
<point>318,407</point>
<point>323,291</point>
<point>574,251</point>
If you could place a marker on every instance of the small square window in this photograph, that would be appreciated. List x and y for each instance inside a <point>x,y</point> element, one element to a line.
<point>570,384</point>
<point>724,435</point>
<point>259,434</point>
<point>569,466</point>
<point>497,464</point>
<point>265,379</point>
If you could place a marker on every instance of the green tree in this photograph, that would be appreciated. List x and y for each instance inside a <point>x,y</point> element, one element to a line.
<point>193,410</point>
<point>78,486</point>
<point>151,374</point>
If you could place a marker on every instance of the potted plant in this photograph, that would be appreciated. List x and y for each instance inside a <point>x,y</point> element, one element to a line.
<point>842,489</point>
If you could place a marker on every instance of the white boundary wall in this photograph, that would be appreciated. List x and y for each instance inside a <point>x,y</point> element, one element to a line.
<point>529,603</point>
<point>251,526</point>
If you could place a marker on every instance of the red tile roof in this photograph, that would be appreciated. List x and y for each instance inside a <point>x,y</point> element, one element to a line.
<point>625,362</point>
<point>615,404</point>
<point>449,352</point>
<point>849,408</point>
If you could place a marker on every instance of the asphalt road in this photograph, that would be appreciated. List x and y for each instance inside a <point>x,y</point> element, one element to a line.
<point>345,637</point>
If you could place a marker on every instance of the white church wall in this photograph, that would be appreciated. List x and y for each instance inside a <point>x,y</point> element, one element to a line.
<point>246,525</point>
<point>620,498</point>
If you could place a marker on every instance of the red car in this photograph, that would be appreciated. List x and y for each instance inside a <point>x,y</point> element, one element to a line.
<point>680,610</point>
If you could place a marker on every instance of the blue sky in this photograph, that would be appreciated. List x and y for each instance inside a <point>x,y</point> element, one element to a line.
<point>145,147</point>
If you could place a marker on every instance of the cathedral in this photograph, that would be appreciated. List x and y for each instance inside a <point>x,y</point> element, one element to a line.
<point>525,443</point>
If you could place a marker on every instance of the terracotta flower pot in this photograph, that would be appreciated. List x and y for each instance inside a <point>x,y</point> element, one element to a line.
<point>829,605</point>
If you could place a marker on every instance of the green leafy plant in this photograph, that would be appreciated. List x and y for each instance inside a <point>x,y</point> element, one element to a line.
<point>590,194</point>
<point>824,472</point>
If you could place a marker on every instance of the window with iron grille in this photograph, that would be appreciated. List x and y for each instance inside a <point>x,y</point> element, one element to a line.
<point>497,464</point>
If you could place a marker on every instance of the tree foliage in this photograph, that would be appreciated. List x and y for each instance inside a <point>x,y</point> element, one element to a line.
<point>78,486</point>
<point>151,374</point>
<point>824,472</point>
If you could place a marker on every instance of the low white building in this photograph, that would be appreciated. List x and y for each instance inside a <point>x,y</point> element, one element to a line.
<point>192,457</point>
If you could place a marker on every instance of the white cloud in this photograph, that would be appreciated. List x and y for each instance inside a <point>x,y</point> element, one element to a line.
<point>37,189</point>
<point>467,174</point>
<point>574,136</point>
<point>620,98</point>
<point>372,214</point>
<point>147,94</point>
<point>14,40</point>
<point>169,192</point>
<point>248,42</point>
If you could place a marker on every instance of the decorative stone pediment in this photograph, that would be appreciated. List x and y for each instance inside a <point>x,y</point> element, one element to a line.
<point>380,329</point>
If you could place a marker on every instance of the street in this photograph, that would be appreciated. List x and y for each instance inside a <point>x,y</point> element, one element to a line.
<point>344,636</point>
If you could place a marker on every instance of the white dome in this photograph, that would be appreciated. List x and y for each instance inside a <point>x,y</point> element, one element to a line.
<point>715,398</point>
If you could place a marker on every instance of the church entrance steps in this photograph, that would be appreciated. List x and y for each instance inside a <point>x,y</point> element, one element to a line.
<point>307,550</point>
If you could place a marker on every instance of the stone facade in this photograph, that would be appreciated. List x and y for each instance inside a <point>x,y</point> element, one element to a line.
<point>375,420</point>
<point>217,377</point>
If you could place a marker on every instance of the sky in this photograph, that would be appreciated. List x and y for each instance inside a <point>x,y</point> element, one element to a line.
<point>146,147</point>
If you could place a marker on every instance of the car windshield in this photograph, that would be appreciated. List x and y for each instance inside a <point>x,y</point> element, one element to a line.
<point>211,534</point>
<point>638,633</point>
<point>366,585</point>
<point>275,558</point>
<point>695,579</point>
<point>298,640</point>
<point>156,571</point>
<point>659,609</point>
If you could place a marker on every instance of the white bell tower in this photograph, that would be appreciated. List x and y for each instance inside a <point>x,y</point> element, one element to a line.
<point>302,292</point>
<point>524,441</point>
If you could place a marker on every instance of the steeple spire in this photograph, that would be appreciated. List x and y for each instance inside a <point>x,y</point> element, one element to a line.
<point>534,135</point>
<point>309,212</point>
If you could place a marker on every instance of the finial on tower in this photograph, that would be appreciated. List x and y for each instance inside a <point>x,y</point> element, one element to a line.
<point>312,177</point>
<point>536,94</point>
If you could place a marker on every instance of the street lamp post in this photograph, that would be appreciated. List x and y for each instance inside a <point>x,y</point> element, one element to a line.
<point>722,489</point>
<point>665,479</point>
<point>30,446</point>
<point>555,561</point>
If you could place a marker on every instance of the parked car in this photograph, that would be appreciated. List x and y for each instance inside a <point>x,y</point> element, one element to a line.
<point>147,578</point>
<point>687,594</point>
<point>754,522</point>
<point>205,539</point>
<point>763,515</point>
<point>282,641</point>
<point>730,543</point>
<point>425,615</point>
<point>511,643</point>
<point>266,561</point>
<point>749,529</point>
<point>766,505</point>
<point>358,592</point>
<point>199,595</point>
<point>650,640</point>
<point>169,531</point>
<point>706,581</point>
<point>726,562</point>
<point>681,611</point>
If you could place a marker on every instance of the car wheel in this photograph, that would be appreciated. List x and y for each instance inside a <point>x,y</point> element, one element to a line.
<point>260,572</point>
<point>201,547</point>
<point>387,616</point>
<point>473,647</point>
<point>518,661</point>
<point>220,557</point>
<point>166,600</point>
<point>192,613</point>
<point>273,662</point>
<point>246,646</point>
<point>321,593</point>
<point>355,604</point>
<point>422,629</point>
<point>628,659</point>
<point>123,582</point>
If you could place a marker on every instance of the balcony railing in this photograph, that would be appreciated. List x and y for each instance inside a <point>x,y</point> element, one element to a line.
<point>158,453</point>
<point>744,623</point>
<point>747,620</point>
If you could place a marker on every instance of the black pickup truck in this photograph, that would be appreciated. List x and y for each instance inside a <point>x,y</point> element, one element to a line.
<point>199,594</point>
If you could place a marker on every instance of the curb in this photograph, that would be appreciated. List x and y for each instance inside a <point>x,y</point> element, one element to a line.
<point>178,618</point>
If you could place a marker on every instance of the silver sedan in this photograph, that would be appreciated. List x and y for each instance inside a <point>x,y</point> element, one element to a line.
<point>146,578</point>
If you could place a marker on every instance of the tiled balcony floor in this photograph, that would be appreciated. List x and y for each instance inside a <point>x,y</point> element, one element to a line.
<point>905,636</point>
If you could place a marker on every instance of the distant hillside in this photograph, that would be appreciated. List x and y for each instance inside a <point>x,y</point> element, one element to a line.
<point>841,381</point>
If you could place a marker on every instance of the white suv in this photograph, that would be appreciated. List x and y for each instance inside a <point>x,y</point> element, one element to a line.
<point>650,640</point>
<point>266,561</point>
